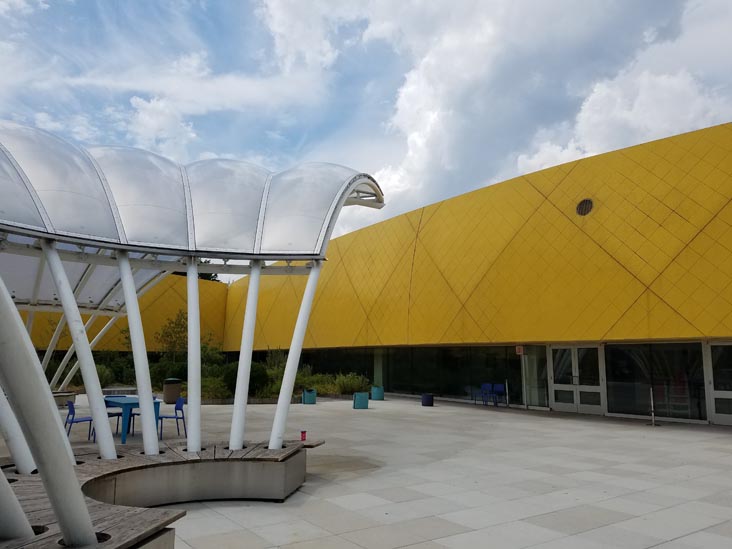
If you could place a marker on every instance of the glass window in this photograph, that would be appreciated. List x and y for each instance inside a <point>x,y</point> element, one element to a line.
<point>564,397</point>
<point>537,388</point>
<point>589,366</point>
<point>628,373</point>
<point>722,367</point>
<point>399,370</point>
<point>672,370</point>
<point>562,359</point>
<point>426,370</point>
<point>723,405</point>
<point>498,365</point>
<point>455,379</point>
<point>590,397</point>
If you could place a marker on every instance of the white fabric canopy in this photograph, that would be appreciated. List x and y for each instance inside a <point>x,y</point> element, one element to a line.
<point>139,200</point>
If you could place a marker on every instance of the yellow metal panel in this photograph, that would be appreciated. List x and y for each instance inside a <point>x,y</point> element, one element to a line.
<point>545,181</point>
<point>512,263</point>
<point>389,314</point>
<point>337,319</point>
<point>698,283</point>
<point>279,302</point>
<point>552,283</point>
<point>638,192</point>
<point>651,318</point>
<point>463,329</point>
<point>432,302</point>
<point>466,234</point>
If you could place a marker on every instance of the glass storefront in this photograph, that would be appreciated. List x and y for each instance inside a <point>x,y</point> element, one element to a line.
<point>672,370</point>
<point>535,376</point>
<point>456,372</point>
<point>722,374</point>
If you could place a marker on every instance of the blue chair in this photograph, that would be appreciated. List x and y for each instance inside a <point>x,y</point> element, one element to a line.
<point>486,393</point>
<point>499,391</point>
<point>133,415</point>
<point>178,408</point>
<point>71,419</point>
<point>113,414</point>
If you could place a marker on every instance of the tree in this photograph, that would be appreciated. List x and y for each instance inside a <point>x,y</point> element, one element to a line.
<point>208,276</point>
<point>203,276</point>
<point>173,336</point>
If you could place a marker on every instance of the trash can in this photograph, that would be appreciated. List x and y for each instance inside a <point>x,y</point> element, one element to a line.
<point>309,396</point>
<point>377,392</point>
<point>360,401</point>
<point>428,399</point>
<point>171,390</point>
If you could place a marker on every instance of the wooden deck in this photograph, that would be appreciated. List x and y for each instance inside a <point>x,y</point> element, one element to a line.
<point>127,526</point>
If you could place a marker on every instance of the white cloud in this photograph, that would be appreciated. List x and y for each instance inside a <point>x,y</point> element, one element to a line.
<point>433,98</point>
<point>158,125</point>
<point>483,77</point>
<point>46,122</point>
<point>671,87</point>
<point>195,90</point>
<point>301,32</point>
<point>13,8</point>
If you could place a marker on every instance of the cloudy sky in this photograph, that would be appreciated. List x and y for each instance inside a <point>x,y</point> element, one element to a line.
<point>434,98</point>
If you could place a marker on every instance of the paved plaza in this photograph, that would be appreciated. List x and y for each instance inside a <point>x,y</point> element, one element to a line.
<point>459,475</point>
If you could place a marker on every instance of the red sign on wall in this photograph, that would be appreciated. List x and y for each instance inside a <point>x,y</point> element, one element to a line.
<point>519,350</point>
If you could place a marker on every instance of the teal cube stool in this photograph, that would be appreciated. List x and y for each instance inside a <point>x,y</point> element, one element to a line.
<point>309,396</point>
<point>360,401</point>
<point>377,392</point>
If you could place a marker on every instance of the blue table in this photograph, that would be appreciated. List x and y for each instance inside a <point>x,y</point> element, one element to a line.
<point>129,403</point>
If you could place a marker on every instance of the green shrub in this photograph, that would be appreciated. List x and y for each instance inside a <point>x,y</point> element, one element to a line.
<point>351,383</point>
<point>158,373</point>
<point>211,354</point>
<point>228,375</point>
<point>258,379</point>
<point>121,366</point>
<point>106,377</point>
<point>214,388</point>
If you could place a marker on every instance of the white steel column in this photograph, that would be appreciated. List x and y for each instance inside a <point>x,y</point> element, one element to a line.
<point>194,359</point>
<point>92,344</point>
<point>139,356</point>
<point>34,296</point>
<point>13,522</point>
<point>30,397</point>
<point>293,359</point>
<point>105,442</point>
<point>238,420</point>
<point>54,341</point>
<point>10,431</point>
<point>70,353</point>
<point>708,369</point>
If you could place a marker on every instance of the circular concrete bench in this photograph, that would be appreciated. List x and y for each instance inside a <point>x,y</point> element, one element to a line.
<point>119,492</point>
<point>177,476</point>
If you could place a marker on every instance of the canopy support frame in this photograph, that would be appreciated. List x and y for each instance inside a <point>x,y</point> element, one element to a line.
<point>293,359</point>
<point>241,395</point>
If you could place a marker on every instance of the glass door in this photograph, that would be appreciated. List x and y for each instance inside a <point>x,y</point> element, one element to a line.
<point>577,380</point>
<point>721,393</point>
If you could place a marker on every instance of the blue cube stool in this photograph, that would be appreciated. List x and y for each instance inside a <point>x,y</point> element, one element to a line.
<point>377,392</point>
<point>360,401</point>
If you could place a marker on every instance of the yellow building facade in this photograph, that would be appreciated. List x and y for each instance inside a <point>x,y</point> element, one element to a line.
<point>584,287</point>
<point>515,263</point>
<point>517,285</point>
